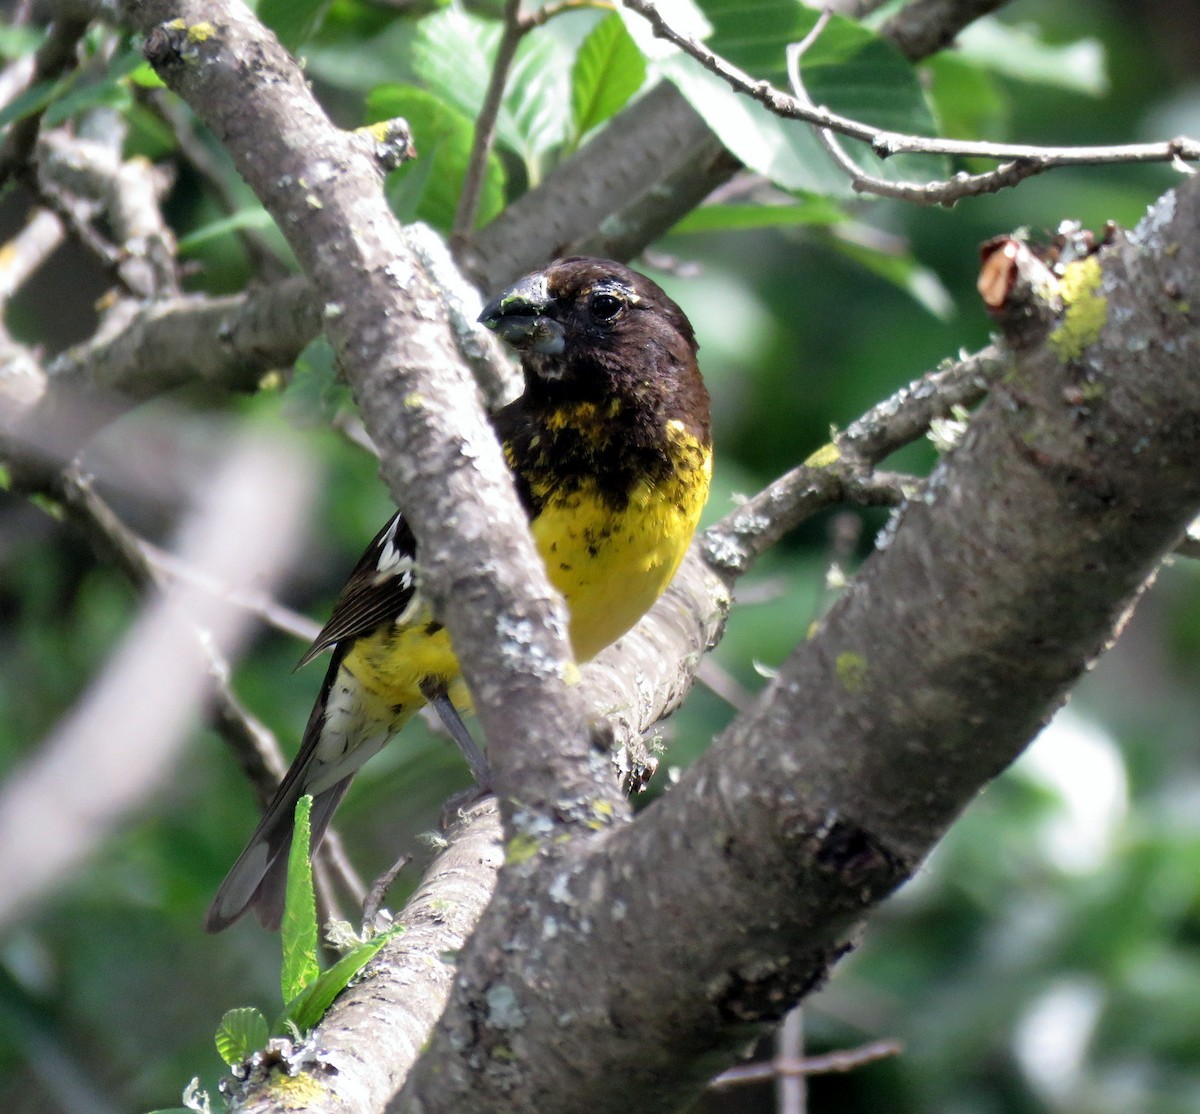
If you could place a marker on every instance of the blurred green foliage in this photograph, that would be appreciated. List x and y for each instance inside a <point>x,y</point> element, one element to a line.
<point>1045,959</point>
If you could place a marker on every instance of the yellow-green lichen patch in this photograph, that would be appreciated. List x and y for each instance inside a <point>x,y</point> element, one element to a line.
<point>1086,308</point>
<point>521,848</point>
<point>297,1092</point>
<point>201,32</point>
<point>851,671</point>
<point>826,455</point>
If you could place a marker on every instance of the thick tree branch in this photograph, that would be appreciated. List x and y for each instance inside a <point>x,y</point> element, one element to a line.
<point>954,644</point>
<point>923,27</point>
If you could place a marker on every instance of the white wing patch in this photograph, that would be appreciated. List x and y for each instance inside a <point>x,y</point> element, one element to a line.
<point>393,561</point>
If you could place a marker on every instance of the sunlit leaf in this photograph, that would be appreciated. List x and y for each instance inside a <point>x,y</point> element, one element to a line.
<point>241,1033</point>
<point>309,1006</point>
<point>608,70</point>
<point>1020,52</point>
<point>298,931</point>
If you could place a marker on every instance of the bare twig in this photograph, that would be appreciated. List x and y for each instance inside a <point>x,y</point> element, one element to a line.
<point>945,192</point>
<point>844,470</point>
<point>485,124</point>
<point>21,257</point>
<point>885,144</point>
<point>55,809</point>
<point>53,57</point>
<point>846,1059</point>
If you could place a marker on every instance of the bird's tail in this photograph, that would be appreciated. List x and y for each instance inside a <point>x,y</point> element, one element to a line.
<point>343,731</point>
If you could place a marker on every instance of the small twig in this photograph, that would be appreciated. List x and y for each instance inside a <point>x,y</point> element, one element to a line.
<point>885,144</point>
<point>55,55</point>
<point>905,416</point>
<point>845,1059</point>
<point>485,124</point>
<point>791,1093</point>
<point>944,192</point>
<point>373,902</point>
<point>545,14</point>
<point>21,257</point>
<point>844,471</point>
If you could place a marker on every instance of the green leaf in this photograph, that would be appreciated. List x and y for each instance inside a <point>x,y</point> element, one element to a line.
<point>1018,52</point>
<point>849,68</point>
<point>309,1006</point>
<point>969,103</point>
<point>34,99</point>
<point>314,393</point>
<point>453,54</point>
<point>241,1033</point>
<point>914,278</point>
<point>608,70</point>
<point>293,21</point>
<point>112,94</point>
<point>739,217</point>
<point>253,216</point>
<point>299,928</point>
<point>428,189</point>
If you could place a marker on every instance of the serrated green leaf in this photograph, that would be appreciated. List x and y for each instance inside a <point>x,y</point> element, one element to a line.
<point>293,21</point>
<point>241,1033</point>
<point>1019,52</point>
<point>849,68</point>
<point>309,1006</point>
<point>299,928</point>
<point>608,70</point>
<point>739,217</point>
<point>428,189</point>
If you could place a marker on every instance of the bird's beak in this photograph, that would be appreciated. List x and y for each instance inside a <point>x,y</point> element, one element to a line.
<point>521,316</point>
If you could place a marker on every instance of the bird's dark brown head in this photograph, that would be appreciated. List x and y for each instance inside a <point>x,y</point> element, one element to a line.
<point>592,329</point>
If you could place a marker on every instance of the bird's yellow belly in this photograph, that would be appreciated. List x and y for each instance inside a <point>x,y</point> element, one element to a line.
<point>612,565</point>
<point>609,564</point>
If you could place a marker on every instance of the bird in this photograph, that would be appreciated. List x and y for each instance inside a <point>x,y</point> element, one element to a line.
<point>610,447</point>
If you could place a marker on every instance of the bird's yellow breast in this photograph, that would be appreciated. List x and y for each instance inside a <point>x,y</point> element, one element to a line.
<point>610,563</point>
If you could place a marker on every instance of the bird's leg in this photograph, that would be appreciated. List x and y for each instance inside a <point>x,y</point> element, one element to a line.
<point>453,723</point>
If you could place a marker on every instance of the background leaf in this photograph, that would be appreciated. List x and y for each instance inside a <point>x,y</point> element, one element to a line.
<point>849,69</point>
<point>428,188</point>
<point>293,21</point>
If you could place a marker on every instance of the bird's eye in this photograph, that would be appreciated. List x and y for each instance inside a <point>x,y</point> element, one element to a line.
<point>604,307</point>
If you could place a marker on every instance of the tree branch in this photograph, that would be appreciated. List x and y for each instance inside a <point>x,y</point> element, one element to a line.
<point>947,653</point>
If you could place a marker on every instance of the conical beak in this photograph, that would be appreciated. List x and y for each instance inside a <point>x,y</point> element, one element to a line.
<point>521,316</point>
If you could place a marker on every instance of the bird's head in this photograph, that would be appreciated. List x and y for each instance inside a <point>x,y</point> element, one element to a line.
<point>592,327</point>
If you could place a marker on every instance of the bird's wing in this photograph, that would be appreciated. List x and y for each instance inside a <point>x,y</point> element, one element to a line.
<point>379,589</point>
